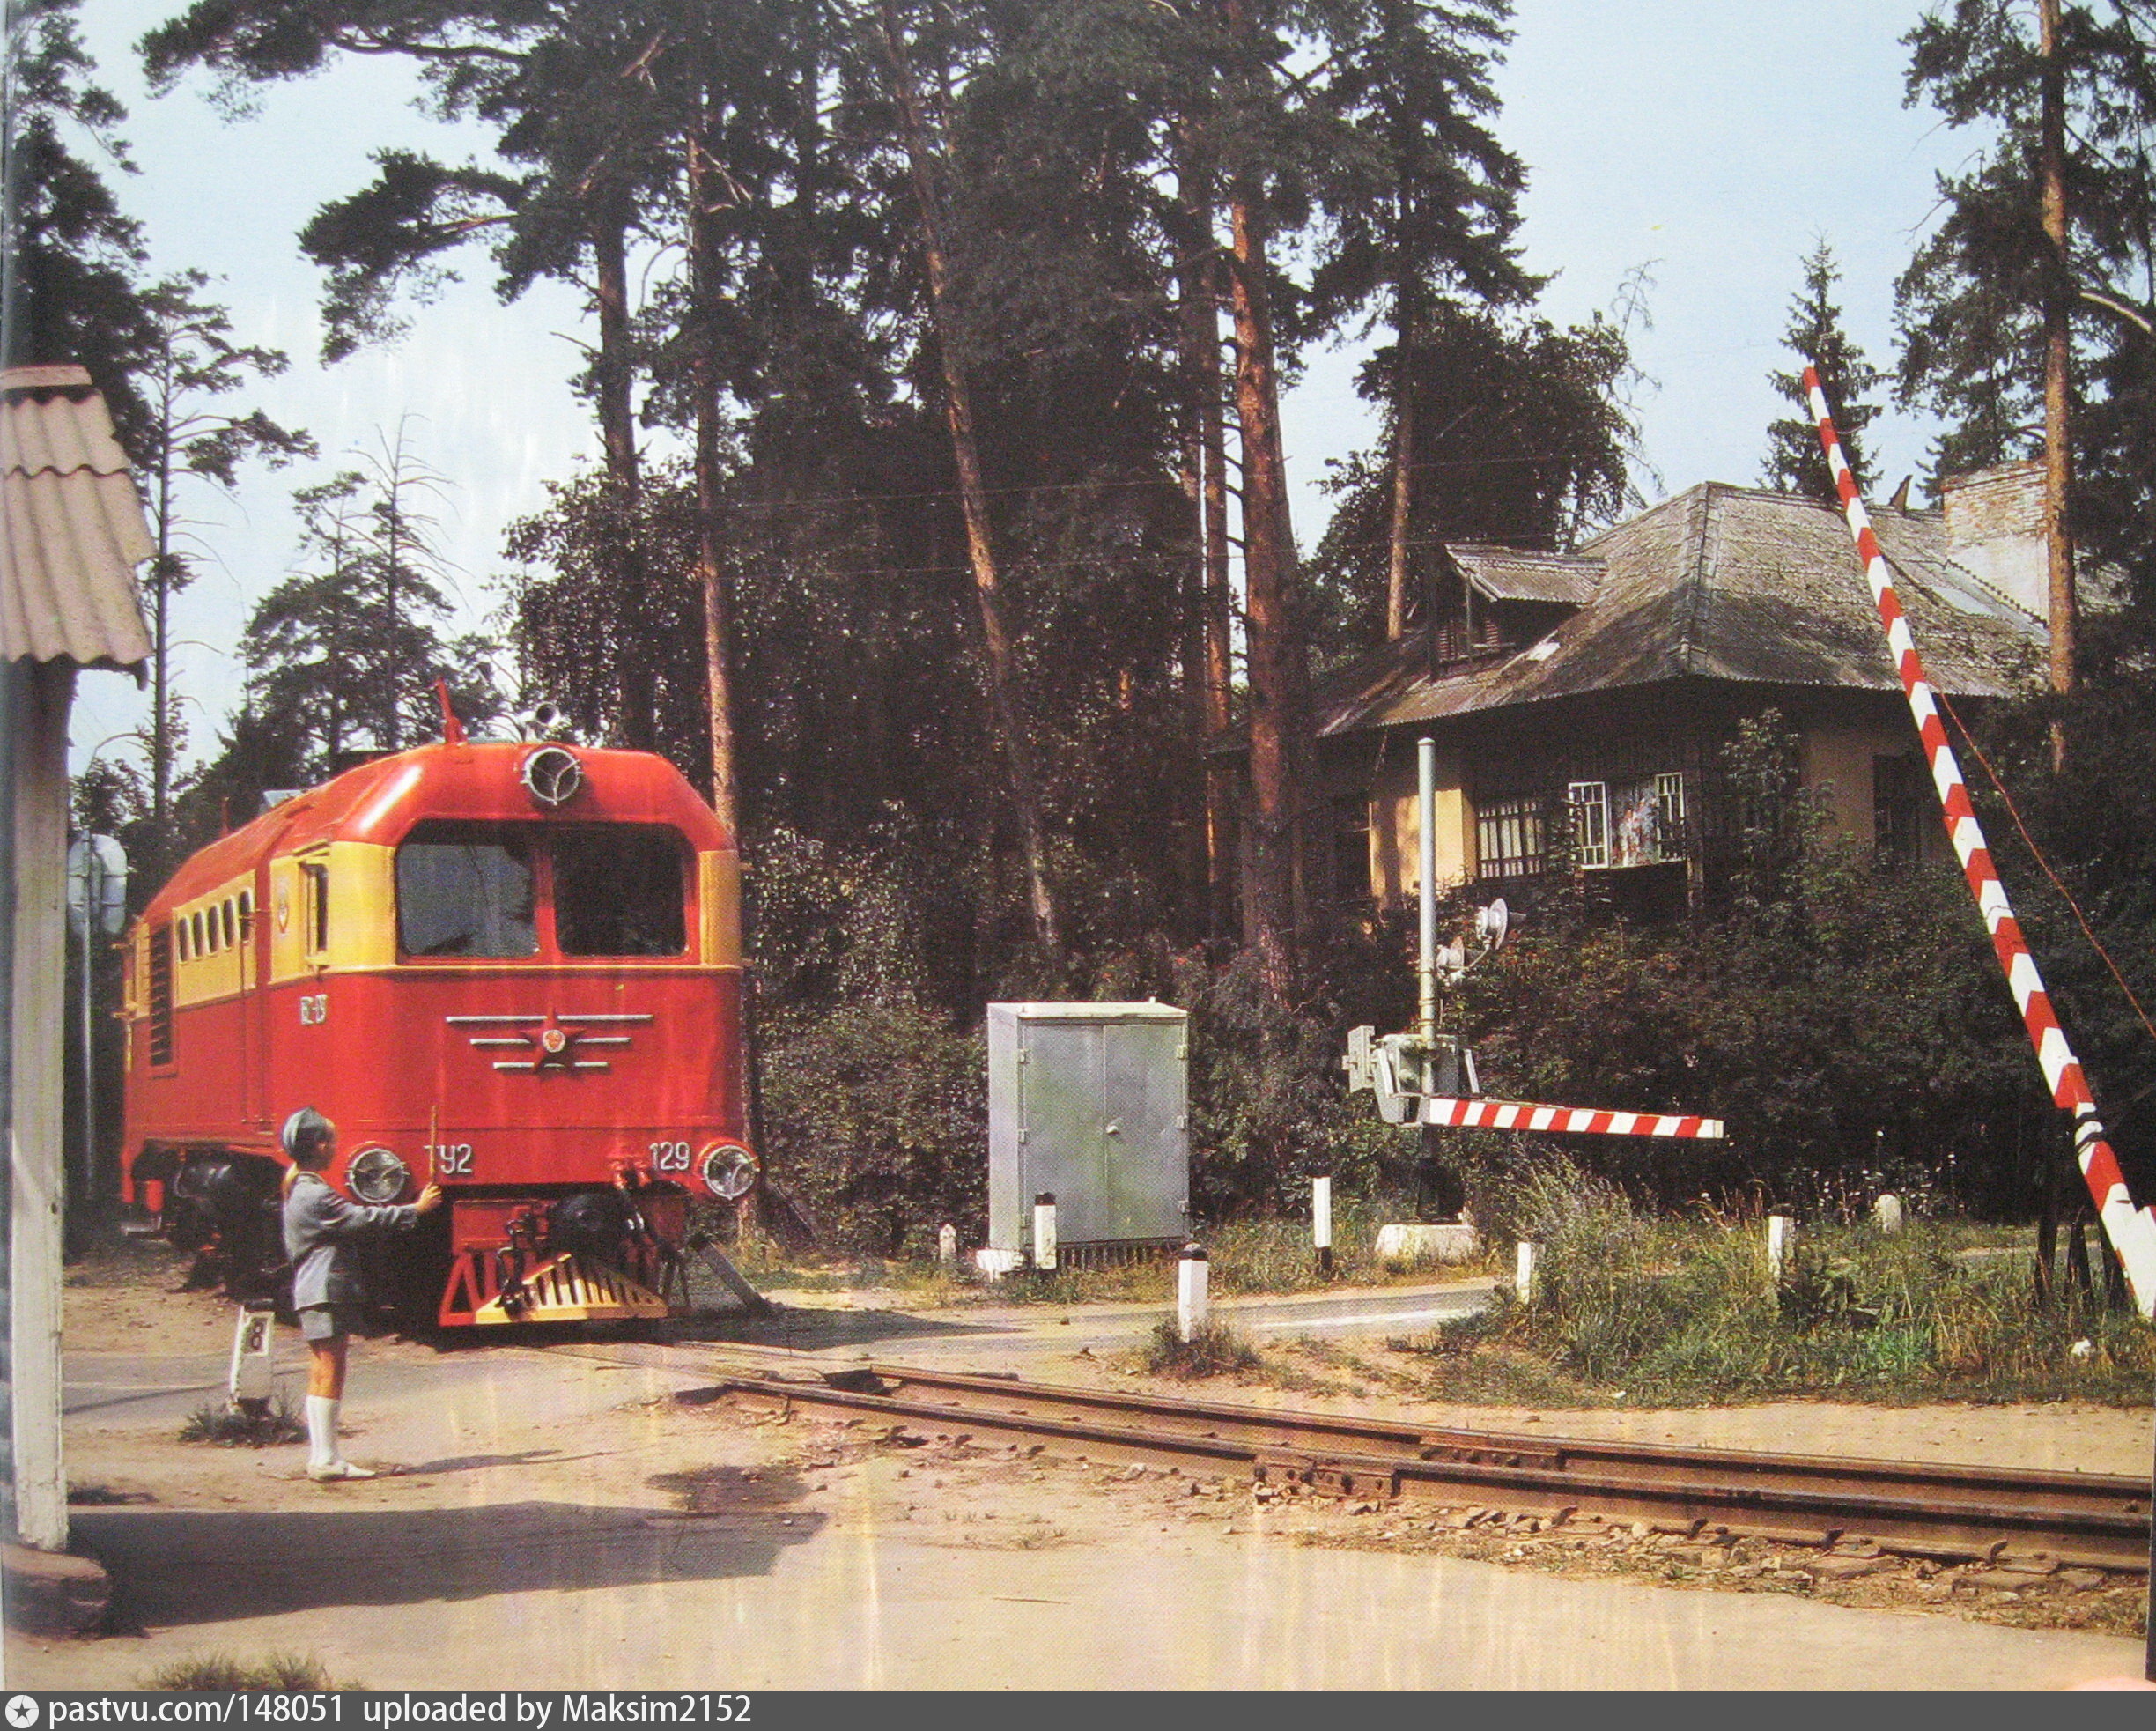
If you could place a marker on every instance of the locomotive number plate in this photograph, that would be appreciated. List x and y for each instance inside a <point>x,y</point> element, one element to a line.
<point>450,1160</point>
<point>670,1156</point>
<point>314,1008</point>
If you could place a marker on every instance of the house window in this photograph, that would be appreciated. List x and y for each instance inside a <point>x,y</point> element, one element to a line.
<point>1590,829</point>
<point>1508,837</point>
<point>1897,806</point>
<point>1669,795</point>
<point>1351,847</point>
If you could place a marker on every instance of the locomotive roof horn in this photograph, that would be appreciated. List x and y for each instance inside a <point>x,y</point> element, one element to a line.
<point>545,719</point>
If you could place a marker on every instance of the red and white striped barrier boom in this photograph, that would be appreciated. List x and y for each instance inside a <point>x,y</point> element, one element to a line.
<point>2131,1231</point>
<point>1478,1114</point>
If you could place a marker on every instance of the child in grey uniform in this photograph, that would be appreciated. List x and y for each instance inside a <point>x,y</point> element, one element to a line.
<point>319,1224</point>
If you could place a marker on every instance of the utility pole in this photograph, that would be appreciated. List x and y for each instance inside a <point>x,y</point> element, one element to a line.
<point>2058,300</point>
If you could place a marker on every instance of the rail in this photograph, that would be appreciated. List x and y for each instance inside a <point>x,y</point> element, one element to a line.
<point>1948,1513</point>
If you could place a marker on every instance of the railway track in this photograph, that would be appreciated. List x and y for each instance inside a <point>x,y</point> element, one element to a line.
<point>1946,1512</point>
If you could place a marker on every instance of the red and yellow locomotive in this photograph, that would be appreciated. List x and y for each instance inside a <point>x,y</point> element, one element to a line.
<point>511,967</point>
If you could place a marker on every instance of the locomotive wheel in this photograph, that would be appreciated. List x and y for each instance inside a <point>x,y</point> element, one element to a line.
<point>224,1205</point>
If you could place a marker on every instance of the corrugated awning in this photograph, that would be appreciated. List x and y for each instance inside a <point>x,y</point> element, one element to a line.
<point>71,526</point>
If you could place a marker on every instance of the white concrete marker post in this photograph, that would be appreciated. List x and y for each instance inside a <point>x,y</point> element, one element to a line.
<point>947,1246</point>
<point>1523,1271</point>
<point>1780,1245</point>
<point>1321,1223</point>
<point>1886,1214</point>
<point>1044,1231</point>
<point>1192,1272</point>
<point>252,1378</point>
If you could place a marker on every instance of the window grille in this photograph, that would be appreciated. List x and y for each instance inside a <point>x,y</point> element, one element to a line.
<point>1590,804</point>
<point>1669,795</point>
<point>1509,838</point>
<point>161,996</point>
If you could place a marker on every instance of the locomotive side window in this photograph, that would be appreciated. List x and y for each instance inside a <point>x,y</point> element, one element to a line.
<point>161,996</point>
<point>247,914</point>
<point>466,890</point>
<point>224,921</point>
<point>316,879</point>
<point>617,891</point>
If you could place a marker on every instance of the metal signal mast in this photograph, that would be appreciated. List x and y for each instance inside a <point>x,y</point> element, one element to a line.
<point>1427,1078</point>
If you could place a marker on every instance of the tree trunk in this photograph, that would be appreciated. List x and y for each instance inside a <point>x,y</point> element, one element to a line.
<point>1207,645</point>
<point>1403,486</point>
<point>1278,720</point>
<point>160,664</point>
<point>710,566</point>
<point>973,499</point>
<point>634,692</point>
<point>2058,383</point>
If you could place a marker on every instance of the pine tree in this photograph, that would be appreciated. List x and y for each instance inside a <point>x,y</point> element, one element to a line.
<point>71,262</point>
<point>1796,462</point>
<point>188,436</point>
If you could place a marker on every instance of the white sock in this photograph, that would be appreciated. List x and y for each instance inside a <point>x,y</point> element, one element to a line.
<point>322,1423</point>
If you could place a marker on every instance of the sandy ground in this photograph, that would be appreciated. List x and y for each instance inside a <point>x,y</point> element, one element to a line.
<point>565,1522</point>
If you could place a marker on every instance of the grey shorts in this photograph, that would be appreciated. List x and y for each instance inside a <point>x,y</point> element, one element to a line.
<point>326,1322</point>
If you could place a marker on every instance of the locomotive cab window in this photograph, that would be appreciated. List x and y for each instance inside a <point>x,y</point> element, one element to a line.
<point>617,891</point>
<point>315,879</point>
<point>467,890</point>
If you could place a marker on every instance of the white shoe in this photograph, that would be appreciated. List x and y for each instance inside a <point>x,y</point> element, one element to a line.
<point>337,1469</point>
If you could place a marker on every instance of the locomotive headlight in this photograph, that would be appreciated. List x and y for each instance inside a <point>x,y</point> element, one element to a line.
<point>377,1176</point>
<point>728,1171</point>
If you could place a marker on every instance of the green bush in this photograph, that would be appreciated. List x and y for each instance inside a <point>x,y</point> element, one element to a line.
<point>876,1116</point>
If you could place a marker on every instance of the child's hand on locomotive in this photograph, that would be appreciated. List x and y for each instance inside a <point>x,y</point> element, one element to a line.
<point>430,1199</point>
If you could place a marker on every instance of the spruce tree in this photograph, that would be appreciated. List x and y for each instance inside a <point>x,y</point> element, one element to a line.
<point>1796,462</point>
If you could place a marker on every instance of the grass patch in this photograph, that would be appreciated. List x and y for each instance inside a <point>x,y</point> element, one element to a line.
<point>221,1673</point>
<point>1678,1312</point>
<point>1212,1350</point>
<point>252,1428</point>
<point>1269,1254</point>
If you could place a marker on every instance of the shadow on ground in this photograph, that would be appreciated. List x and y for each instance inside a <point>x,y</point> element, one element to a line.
<point>173,1568</point>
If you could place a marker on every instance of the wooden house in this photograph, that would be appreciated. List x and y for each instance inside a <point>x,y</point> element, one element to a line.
<point>1599,689</point>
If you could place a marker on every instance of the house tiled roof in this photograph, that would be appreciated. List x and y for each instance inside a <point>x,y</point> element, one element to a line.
<point>1724,583</point>
<point>1507,573</point>
<point>72,528</point>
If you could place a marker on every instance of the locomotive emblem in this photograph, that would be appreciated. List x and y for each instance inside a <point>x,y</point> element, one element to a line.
<point>554,1042</point>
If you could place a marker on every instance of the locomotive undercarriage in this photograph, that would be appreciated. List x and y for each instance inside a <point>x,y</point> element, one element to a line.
<point>534,1254</point>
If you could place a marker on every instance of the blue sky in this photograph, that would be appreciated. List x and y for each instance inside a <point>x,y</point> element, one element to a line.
<point>1710,144</point>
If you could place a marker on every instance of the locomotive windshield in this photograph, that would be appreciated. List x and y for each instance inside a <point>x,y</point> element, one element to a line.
<point>474,890</point>
<point>617,891</point>
<point>467,890</point>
